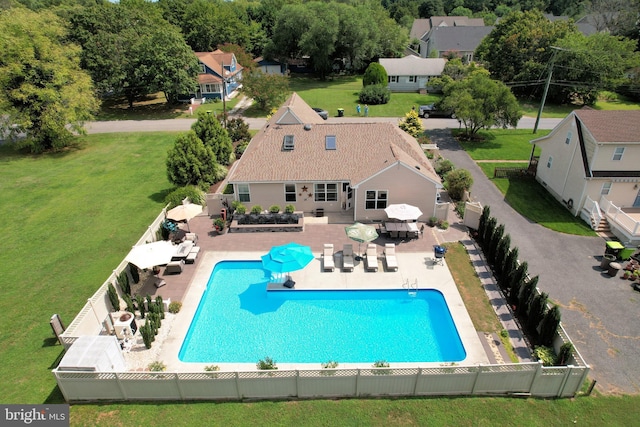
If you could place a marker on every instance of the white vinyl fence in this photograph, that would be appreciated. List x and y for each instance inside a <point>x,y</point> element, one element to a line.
<point>513,379</point>
<point>90,320</point>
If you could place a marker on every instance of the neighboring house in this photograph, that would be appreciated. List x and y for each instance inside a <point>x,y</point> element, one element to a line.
<point>215,68</point>
<point>270,66</point>
<point>590,163</point>
<point>356,168</point>
<point>464,41</point>
<point>411,74</point>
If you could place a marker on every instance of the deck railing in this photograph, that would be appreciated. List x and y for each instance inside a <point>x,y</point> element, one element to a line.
<point>616,215</point>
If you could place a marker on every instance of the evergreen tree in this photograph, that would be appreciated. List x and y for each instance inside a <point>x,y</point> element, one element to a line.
<point>510,265</point>
<point>493,244</point>
<point>536,312</point>
<point>526,293</point>
<point>549,325</point>
<point>190,162</point>
<point>516,280</point>
<point>210,131</point>
<point>501,254</point>
<point>486,214</point>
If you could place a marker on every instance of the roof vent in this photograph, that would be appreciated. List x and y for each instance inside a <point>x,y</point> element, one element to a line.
<point>307,126</point>
<point>287,143</point>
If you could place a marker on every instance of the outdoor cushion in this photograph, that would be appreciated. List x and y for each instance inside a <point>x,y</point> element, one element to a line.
<point>327,257</point>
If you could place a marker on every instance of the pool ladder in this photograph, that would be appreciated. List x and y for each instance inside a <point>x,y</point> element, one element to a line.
<point>412,288</point>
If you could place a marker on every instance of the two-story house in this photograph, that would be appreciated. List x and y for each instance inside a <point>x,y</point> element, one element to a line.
<point>220,74</point>
<point>590,162</point>
<point>440,35</point>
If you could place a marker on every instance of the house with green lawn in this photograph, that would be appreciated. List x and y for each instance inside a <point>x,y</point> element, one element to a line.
<point>589,162</point>
<point>355,168</point>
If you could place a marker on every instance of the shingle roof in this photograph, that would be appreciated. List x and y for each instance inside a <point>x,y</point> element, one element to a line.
<point>612,126</point>
<point>362,149</point>
<point>215,59</point>
<point>295,111</point>
<point>413,66</point>
<point>463,39</point>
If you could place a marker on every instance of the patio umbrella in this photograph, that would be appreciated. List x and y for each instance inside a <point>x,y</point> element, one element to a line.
<point>287,258</point>
<point>184,212</point>
<point>403,212</point>
<point>361,233</point>
<point>151,254</point>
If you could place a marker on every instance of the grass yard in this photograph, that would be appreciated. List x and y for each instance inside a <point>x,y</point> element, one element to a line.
<point>76,215</point>
<point>502,144</point>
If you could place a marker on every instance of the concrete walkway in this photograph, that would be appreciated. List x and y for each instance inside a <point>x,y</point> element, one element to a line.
<point>600,313</point>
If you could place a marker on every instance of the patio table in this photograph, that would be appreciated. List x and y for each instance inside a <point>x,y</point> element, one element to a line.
<point>183,250</point>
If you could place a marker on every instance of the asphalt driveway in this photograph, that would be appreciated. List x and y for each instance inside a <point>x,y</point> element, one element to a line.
<point>601,314</point>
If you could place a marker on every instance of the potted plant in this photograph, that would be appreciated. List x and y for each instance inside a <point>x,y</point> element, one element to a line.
<point>274,209</point>
<point>219,224</point>
<point>627,274</point>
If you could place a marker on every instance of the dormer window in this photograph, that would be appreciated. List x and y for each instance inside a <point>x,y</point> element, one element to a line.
<point>203,69</point>
<point>287,143</point>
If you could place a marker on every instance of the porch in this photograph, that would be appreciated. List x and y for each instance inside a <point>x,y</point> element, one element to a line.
<point>623,221</point>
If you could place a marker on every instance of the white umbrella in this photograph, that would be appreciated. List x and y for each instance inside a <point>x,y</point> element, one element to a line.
<point>151,254</point>
<point>184,212</point>
<point>403,212</point>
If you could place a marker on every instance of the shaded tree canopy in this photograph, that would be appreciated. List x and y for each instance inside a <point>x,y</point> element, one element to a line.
<point>480,102</point>
<point>44,94</point>
<point>191,162</point>
<point>267,90</point>
<point>130,50</point>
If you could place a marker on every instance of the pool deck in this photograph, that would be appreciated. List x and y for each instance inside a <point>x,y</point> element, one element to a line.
<point>415,261</point>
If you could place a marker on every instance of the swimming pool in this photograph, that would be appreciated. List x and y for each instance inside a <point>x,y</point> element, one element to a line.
<point>239,321</point>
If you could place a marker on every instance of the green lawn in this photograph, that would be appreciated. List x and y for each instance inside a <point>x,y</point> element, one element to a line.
<point>502,144</point>
<point>77,214</point>
<point>502,148</point>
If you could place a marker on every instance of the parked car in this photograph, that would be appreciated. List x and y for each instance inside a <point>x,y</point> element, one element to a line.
<point>322,113</point>
<point>433,110</point>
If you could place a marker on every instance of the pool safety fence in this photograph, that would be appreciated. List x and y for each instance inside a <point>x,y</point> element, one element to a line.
<point>530,379</point>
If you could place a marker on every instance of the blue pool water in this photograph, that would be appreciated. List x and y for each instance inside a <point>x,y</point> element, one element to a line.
<point>238,321</point>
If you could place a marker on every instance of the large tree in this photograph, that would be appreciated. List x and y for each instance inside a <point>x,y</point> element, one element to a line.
<point>130,50</point>
<point>44,94</point>
<point>210,131</point>
<point>267,90</point>
<point>518,49</point>
<point>208,24</point>
<point>480,102</point>
<point>191,162</point>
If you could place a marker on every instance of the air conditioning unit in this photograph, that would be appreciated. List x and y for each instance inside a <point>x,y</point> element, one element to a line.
<point>124,324</point>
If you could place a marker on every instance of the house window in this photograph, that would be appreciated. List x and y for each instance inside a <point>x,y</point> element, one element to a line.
<point>617,155</point>
<point>210,88</point>
<point>290,192</point>
<point>606,187</point>
<point>243,193</point>
<point>326,192</point>
<point>568,140</point>
<point>203,69</point>
<point>549,162</point>
<point>376,199</point>
<point>393,79</point>
<point>413,79</point>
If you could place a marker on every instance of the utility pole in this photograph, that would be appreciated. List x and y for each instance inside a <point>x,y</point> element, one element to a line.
<point>546,87</point>
<point>224,98</point>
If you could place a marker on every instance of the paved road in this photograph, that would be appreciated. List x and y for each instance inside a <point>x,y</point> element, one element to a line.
<point>185,124</point>
<point>600,313</point>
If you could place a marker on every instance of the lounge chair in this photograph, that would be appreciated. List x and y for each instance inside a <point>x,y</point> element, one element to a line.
<point>390,256</point>
<point>371,260</point>
<point>327,257</point>
<point>174,267</point>
<point>347,258</point>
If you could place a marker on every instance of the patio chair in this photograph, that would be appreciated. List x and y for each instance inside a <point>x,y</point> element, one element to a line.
<point>347,257</point>
<point>371,261</point>
<point>174,267</point>
<point>193,237</point>
<point>327,257</point>
<point>390,256</point>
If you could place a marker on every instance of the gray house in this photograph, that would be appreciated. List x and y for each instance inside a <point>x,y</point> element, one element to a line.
<point>411,73</point>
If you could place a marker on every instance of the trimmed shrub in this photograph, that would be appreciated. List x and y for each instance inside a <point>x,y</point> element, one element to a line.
<point>135,274</point>
<point>375,74</point>
<point>443,225</point>
<point>157,366</point>
<point>460,208</point>
<point>113,297</point>
<point>274,209</point>
<point>375,95</point>
<point>256,209</point>
<point>238,130</point>
<point>457,182</point>
<point>240,209</point>
<point>545,355</point>
<point>175,198</point>
<point>444,166</point>
<point>289,209</point>
<point>160,306</point>
<point>432,221</point>
<point>123,282</point>
<point>174,307</point>
<point>141,307</point>
<point>565,354</point>
<point>147,334</point>
<point>266,364</point>
<point>129,302</point>
<point>412,124</point>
